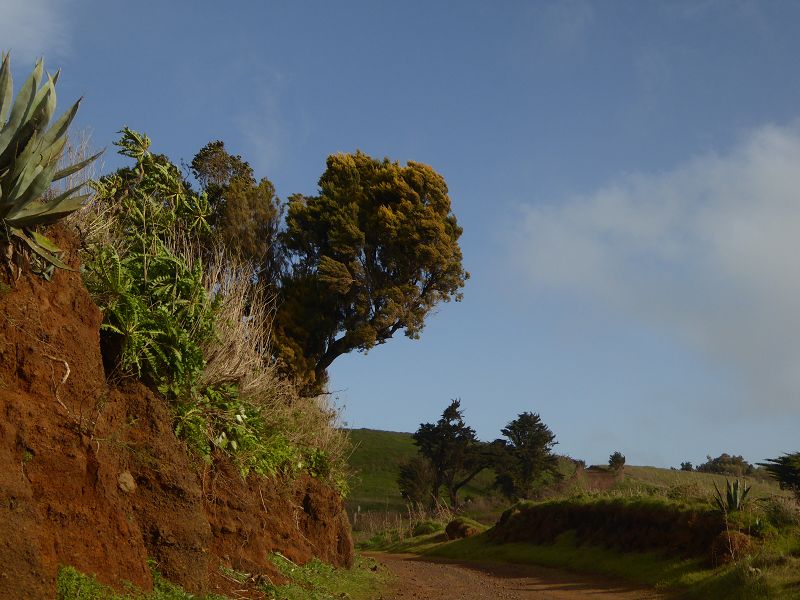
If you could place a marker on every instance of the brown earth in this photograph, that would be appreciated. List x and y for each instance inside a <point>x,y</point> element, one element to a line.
<point>439,579</point>
<point>93,476</point>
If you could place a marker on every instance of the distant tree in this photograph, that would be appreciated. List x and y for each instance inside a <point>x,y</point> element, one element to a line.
<point>245,213</point>
<point>453,452</point>
<point>726,464</point>
<point>616,461</point>
<point>686,466</point>
<point>416,480</point>
<point>526,455</point>
<point>786,470</point>
<point>372,254</point>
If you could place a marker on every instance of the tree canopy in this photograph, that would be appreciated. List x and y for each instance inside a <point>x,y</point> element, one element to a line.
<point>372,254</point>
<point>726,464</point>
<point>527,455</point>
<point>245,213</point>
<point>786,470</point>
<point>453,452</point>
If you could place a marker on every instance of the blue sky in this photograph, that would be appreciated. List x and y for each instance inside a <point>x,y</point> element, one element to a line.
<point>627,175</point>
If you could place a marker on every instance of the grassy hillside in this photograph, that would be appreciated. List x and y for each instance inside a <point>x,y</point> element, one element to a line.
<point>693,482</point>
<point>376,460</point>
<point>377,456</point>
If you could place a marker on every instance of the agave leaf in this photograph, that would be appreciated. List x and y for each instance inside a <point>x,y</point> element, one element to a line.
<point>27,166</point>
<point>52,153</point>
<point>44,242</point>
<point>6,89</point>
<point>45,254</point>
<point>47,211</point>
<point>45,100</point>
<point>21,107</point>
<point>76,167</point>
<point>35,188</point>
<point>59,128</point>
<point>64,209</point>
<point>31,171</point>
<point>23,162</point>
<point>38,119</point>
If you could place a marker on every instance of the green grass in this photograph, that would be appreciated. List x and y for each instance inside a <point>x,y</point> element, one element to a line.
<point>772,571</point>
<point>376,460</point>
<point>666,480</point>
<point>751,579</point>
<point>313,581</point>
<point>319,581</point>
<point>74,585</point>
<point>687,577</point>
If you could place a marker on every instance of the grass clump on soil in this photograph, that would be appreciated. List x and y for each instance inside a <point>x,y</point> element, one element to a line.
<point>74,585</point>
<point>317,580</point>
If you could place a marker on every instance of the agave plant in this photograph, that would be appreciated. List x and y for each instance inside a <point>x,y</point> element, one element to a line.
<point>734,498</point>
<point>30,151</point>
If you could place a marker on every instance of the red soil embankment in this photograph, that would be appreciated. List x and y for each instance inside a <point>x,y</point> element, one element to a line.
<point>94,477</point>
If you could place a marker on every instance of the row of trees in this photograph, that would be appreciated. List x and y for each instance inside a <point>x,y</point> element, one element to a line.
<point>450,456</point>
<point>724,464</point>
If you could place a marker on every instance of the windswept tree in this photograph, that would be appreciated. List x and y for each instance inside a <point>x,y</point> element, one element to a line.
<point>453,452</point>
<point>372,254</point>
<point>616,462</point>
<point>245,213</point>
<point>786,470</point>
<point>525,457</point>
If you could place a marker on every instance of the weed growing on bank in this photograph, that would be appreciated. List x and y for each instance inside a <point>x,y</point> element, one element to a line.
<point>74,585</point>
<point>315,580</point>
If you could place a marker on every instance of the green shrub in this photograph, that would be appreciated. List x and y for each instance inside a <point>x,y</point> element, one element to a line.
<point>426,527</point>
<point>726,464</point>
<point>157,314</point>
<point>781,512</point>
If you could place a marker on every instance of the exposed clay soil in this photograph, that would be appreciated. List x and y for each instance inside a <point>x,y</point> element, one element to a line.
<point>93,476</point>
<point>439,579</point>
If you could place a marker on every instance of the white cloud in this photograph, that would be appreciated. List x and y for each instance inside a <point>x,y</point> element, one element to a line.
<point>34,28</point>
<point>709,251</point>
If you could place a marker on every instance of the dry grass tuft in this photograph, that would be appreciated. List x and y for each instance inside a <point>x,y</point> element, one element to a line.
<point>240,354</point>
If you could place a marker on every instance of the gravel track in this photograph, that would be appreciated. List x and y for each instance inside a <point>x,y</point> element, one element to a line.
<point>423,578</point>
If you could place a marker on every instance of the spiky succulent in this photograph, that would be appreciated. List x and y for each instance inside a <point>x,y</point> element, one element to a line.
<point>30,152</point>
<point>735,496</point>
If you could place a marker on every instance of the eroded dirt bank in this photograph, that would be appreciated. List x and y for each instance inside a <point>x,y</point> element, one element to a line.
<point>94,477</point>
<point>440,579</point>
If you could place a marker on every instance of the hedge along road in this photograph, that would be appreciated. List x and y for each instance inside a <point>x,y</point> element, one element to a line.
<point>422,578</point>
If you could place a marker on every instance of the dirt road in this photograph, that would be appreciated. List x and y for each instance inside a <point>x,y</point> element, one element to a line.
<point>422,578</point>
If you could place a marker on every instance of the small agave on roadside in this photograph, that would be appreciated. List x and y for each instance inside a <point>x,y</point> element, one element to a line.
<point>735,496</point>
<point>29,155</point>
